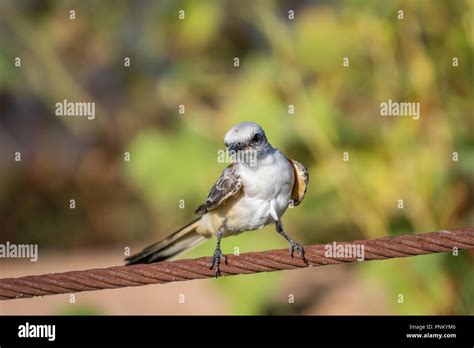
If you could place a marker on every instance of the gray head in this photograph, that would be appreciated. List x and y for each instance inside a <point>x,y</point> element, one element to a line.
<point>247,137</point>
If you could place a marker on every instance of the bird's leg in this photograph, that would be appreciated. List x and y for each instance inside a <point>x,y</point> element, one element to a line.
<point>216,258</point>
<point>293,245</point>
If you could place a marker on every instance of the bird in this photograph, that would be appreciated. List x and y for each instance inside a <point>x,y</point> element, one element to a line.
<point>253,191</point>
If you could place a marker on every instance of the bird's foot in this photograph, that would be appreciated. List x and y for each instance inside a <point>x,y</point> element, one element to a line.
<point>216,261</point>
<point>296,246</point>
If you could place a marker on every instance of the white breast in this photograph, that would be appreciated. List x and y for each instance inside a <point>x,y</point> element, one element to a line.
<point>266,194</point>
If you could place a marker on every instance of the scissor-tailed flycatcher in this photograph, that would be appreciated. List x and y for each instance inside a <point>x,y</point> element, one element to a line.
<point>247,196</point>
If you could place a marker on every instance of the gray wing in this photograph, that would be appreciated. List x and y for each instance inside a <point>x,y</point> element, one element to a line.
<point>227,186</point>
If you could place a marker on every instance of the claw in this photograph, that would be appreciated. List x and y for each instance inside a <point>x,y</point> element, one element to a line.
<point>296,246</point>
<point>216,261</point>
<point>213,261</point>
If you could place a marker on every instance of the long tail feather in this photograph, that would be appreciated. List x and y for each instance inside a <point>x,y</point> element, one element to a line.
<point>181,240</point>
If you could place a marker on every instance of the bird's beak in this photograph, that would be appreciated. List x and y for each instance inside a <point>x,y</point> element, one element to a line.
<point>234,147</point>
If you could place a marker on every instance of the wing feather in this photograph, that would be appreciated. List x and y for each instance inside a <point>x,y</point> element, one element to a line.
<point>227,186</point>
<point>301,182</point>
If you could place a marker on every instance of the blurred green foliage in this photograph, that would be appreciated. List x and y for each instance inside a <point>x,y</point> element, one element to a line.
<point>282,62</point>
<point>79,310</point>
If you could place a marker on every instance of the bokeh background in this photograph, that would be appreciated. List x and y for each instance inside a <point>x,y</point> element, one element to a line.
<point>173,156</point>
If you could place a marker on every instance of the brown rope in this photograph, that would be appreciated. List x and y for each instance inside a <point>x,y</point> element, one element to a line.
<point>254,262</point>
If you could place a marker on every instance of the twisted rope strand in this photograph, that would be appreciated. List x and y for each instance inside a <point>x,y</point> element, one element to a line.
<point>247,263</point>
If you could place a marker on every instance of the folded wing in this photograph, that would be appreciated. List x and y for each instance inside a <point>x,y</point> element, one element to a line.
<point>227,186</point>
<point>301,182</point>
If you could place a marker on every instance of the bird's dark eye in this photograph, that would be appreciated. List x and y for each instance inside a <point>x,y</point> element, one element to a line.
<point>256,138</point>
